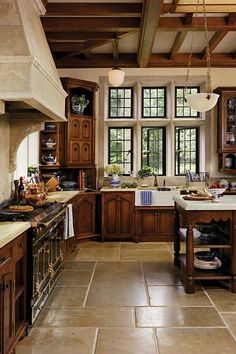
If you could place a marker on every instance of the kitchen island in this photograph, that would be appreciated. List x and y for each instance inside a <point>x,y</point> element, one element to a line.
<point>223,216</point>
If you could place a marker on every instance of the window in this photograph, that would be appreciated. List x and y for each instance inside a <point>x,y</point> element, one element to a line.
<point>187,150</point>
<point>120,148</point>
<point>182,109</point>
<point>120,102</point>
<point>154,102</point>
<point>153,148</point>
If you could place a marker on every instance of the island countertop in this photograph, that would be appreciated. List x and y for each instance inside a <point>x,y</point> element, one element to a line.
<point>227,202</point>
<point>10,230</point>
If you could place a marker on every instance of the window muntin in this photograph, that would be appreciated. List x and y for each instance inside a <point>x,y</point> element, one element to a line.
<point>182,109</point>
<point>187,150</point>
<point>153,148</point>
<point>120,102</point>
<point>121,148</point>
<point>153,102</point>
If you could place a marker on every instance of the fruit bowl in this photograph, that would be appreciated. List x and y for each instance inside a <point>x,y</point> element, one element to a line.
<point>215,192</point>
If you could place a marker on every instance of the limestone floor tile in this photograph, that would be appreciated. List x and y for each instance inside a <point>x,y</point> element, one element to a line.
<point>75,278</point>
<point>160,266</point>
<point>178,317</point>
<point>67,297</point>
<point>86,317</point>
<point>78,266</point>
<point>126,341</point>
<point>195,341</point>
<point>124,271</point>
<point>99,254</point>
<point>131,246</point>
<point>145,255</point>
<point>223,299</point>
<point>117,293</point>
<point>95,244</point>
<point>176,296</point>
<point>230,319</point>
<point>58,340</point>
<point>163,278</point>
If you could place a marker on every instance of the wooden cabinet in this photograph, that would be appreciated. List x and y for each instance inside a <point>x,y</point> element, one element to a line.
<point>117,215</point>
<point>223,243</point>
<point>12,293</point>
<point>154,224</point>
<point>80,128</point>
<point>226,111</point>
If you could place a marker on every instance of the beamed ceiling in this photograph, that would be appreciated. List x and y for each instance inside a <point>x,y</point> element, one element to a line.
<point>149,33</point>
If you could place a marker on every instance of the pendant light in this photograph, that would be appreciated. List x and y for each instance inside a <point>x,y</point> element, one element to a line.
<point>204,101</point>
<point>116,75</point>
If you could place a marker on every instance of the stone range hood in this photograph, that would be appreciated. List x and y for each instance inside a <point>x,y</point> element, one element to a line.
<point>28,76</point>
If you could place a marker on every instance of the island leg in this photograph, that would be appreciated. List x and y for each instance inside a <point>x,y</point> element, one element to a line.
<point>176,241</point>
<point>190,288</point>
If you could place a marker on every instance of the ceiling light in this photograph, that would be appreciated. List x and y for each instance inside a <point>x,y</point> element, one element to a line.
<point>202,102</point>
<point>116,76</point>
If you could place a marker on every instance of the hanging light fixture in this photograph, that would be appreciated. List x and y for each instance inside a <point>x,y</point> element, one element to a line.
<point>204,101</point>
<point>116,75</point>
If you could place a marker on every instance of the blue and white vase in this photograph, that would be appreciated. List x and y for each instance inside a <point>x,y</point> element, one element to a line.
<point>115,181</point>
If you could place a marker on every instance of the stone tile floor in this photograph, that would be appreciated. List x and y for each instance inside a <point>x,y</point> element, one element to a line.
<point>126,298</point>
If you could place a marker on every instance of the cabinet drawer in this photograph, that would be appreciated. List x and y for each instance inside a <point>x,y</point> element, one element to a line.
<point>20,246</point>
<point>6,255</point>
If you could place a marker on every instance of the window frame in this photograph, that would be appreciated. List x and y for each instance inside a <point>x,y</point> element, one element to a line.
<point>197,128</point>
<point>175,102</point>
<point>163,128</point>
<point>132,103</point>
<point>132,146</point>
<point>142,102</point>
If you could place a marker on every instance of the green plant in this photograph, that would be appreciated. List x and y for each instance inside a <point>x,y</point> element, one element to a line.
<point>80,101</point>
<point>114,169</point>
<point>32,170</point>
<point>146,171</point>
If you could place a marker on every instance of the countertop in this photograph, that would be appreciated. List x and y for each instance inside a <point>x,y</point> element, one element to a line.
<point>227,202</point>
<point>10,230</point>
<point>62,196</point>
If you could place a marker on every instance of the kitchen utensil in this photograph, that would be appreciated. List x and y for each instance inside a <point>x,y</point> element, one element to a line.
<point>52,184</point>
<point>49,159</point>
<point>35,194</point>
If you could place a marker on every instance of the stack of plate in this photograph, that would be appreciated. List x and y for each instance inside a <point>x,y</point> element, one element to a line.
<point>206,260</point>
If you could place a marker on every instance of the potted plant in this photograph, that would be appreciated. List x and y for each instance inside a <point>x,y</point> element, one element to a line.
<point>114,170</point>
<point>79,103</point>
<point>145,172</point>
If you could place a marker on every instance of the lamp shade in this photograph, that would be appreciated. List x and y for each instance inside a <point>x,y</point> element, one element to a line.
<point>116,76</point>
<point>202,102</point>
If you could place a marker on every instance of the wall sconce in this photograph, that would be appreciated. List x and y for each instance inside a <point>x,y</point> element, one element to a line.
<point>116,75</point>
<point>204,101</point>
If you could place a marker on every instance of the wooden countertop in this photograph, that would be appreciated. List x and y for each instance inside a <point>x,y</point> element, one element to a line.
<point>10,230</point>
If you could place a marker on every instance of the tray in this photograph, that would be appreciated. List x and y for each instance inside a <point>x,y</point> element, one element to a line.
<point>195,197</point>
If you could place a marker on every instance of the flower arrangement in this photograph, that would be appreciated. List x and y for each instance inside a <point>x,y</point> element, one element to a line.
<point>114,169</point>
<point>81,101</point>
<point>146,171</point>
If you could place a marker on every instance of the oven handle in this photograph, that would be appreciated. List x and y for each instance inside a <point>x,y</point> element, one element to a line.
<point>46,224</point>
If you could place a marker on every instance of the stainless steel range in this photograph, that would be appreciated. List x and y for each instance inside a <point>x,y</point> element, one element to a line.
<point>44,252</point>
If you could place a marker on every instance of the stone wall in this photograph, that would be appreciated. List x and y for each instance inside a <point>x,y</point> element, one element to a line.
<point>5,176</point>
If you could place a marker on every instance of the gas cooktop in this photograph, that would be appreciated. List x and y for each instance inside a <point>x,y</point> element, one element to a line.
<point>39,215</point>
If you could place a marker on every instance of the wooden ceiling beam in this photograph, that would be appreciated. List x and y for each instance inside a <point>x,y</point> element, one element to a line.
<point>93,9</point>
<point>215,23</point>
<point>150,17</point>
<point>129,60</point>
<point>73,36</point>
<point>179,39</point>
<point>90,24</point>
<point>214,41</point>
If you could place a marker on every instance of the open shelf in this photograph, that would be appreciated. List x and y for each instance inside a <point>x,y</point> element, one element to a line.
<point>217,242</point>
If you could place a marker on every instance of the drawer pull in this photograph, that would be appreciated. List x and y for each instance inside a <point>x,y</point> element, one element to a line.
<point>4,260</point>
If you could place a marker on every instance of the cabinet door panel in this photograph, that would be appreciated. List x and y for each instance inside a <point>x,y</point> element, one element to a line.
<point>86,129</point>
<point>74,153</point>
<point>166,223</point>
<point>7,303</point>
<point>86,153</point>
<point>110,215</point>
<point>126,216</point>
<point>86,216</point>
<point>75,128</point>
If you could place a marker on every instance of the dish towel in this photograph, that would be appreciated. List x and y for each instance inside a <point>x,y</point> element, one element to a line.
<point>146,197</point>
<point>69,228</point>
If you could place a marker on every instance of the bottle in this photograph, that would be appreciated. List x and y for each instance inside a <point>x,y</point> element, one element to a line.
<point>21,189</point>
<point>155,180</point>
